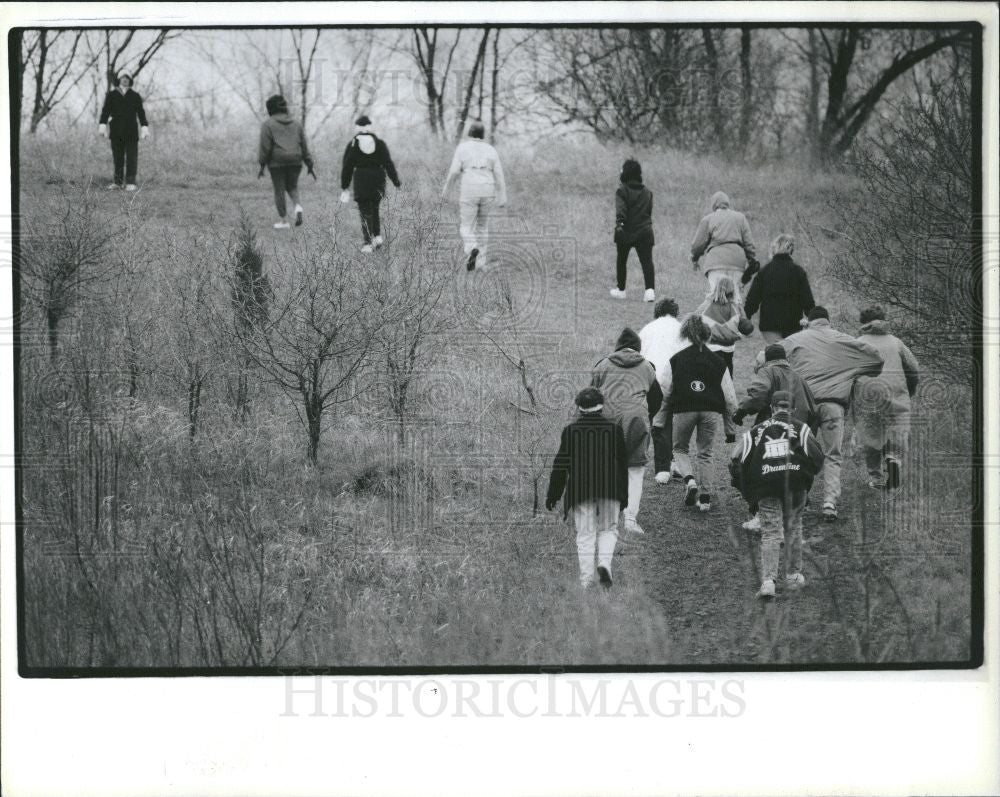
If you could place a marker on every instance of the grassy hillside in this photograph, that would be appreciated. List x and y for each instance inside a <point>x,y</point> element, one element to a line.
<point>147,546</point>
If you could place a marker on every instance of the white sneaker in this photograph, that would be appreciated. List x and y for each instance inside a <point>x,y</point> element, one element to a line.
<point>753,524</point>
<point>617,294</point>
<point>766,589</point>
<point>282,225</point>
<point>367,249</point>
<point>676,474</point>
<point>663,477</point>
<point>632,527</point>
<point>114,187</point>
<point>378,241</point>
<point>131,187</point>
<point>795,581</point>
<point>649,295</point>
<point>298,215</point>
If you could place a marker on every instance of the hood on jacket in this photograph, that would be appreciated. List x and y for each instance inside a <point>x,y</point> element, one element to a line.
<point>282,118</point>
<point>626,358</point>
<point>876,327</point>
<point>720,199</point>
<point>365,140</point>
<point>820,323</point>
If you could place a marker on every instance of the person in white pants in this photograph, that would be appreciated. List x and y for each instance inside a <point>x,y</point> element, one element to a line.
<point>482,188</point>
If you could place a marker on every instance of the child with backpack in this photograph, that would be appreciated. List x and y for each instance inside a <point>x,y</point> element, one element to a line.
<point>367,162</point>
<point>774,465</point>
<point>634,228</point>
<point>590,468</point>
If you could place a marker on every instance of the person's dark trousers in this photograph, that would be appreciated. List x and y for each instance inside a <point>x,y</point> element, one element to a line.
<point>285,179</point>
<point>643,248</point>
<point>125,154</point>
<point>370,223</point>
<point>663,445</point>
<point>727,358</point>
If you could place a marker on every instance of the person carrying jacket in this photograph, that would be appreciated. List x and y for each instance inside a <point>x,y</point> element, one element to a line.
<point>660,340</point>
<point>699,388</point>
<point>590,469</point>
<point>634,229</point>
<point>482,187</point>
<point>123,120</point>
<point>830,361</point>
<point>367,162</point>
<point>881,404</point>
<point>283,149</point>
<point>724,243</point>
<point>774,465</point>
<point>781,292</point>
<point>631,396</point>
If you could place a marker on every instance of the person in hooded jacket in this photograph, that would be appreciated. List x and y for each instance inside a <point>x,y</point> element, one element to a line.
<point>123,110</point>
<point>634,228</point>
<point>367,162</point>
<point>723,243</point>
<point>632,396</point>
<point>661,339</point>
<point>781,292</point>
<point>699,389</point>
<point>881,404</point>
<point>283,150</point>
<point>483,186</point>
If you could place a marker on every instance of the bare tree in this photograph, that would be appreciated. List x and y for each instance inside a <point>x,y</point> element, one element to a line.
<point>52,56</point>
<point>126,50</point>
<point>475,74</point>
<point>434,71</point>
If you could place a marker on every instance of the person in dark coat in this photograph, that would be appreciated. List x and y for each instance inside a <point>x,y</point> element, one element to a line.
<point>123,120</point>
<point>781,292</point>
<point>590,468</point>
<point>634,229</point>
<point>367,162</point>
<point>283,150</point>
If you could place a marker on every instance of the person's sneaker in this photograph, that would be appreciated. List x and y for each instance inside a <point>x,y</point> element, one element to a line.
<point>632,527</point>
<point>766,589</point>
<point>470,264</point>
<point>892,469</point>
<point>876,485</point>
<point>604,574</point>
<point>282,225</point>
<point>114,187</point>
<point>753,524</point>
<point>131,187</point>
<point>378,241</point>
<point>795,581</point>
<point>676,474</point>
<point>649,295</point>
<point>298,215</point>
<point>691,495</point>
<point>704,502</point>
<point>367,249</point>
<point>829,512</point>
<point>663,477</point>
<point>617,294</point>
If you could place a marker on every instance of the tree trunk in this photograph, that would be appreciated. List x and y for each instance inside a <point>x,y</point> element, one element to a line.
<point>746,81</point>
<point>314,415</point>
<point>37,107</point>
<point>471,85</point>
<point>812,109</point>
<point>52,321</point>
<point>713,88</point>
<point>494,84</point>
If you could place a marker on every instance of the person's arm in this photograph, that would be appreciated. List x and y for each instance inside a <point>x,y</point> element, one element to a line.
<point>102,123</point>
<point>347,169</point>
<point>390,167</point>
<point>747,240</point>
<point>875,363</point>
<point>758,396</point>
<point>264,145</point>
<point>805,292</point>
<point>812,448</point>
<point>729,393</point>
<point>453,171</point>
<point>701,239</point>
<point>754,296</point>
<point>621,207</point>
<point>722,334</point>
<point>304,145</point>
<point>667,382</point>
<point>140,111</point>
<point>911,368</point>
<point>654,397</point>
<point>560,472</point>
<point>498,179</point>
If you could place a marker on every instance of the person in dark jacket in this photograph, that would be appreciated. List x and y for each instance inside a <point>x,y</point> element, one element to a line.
<point>775,463</point>
<point>634,228</point>
<point>283,150</point>
<point>123,120</point>
<point>781,292</point>
<point>367,162</point>
<point>590,469</point>
<point>633,398</point>
<point>699,389</point>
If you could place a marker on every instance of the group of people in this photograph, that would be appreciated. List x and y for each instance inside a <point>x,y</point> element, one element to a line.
<point>671,384</point>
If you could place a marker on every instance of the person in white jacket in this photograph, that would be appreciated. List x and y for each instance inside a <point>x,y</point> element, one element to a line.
<point>482,187</point>
<point>661,339</point>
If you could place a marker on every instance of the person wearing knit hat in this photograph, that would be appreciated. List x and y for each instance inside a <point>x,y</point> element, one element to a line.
<point>123,120</point>
<point>723,243</point>
<point>632,398</point>
<point>482,187</point>
<point>830,362</point>
<point>699,388</point>
<point>283,150</point>
<point>367,162</point>
<point>781,293</point>
<point>774,465</point>
<point>589,474</point>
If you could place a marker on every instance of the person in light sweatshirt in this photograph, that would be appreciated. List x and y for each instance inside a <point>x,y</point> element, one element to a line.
<point>283,150</point>
<point>482,188</point>
<point>123,120</point>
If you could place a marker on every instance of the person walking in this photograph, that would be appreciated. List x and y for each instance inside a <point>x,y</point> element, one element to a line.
<point>634,229</point>
<point>699,389</point>
<point>660,340</point>
<point>723,243</point>
<point>774,464</point>
<point>830,362</point>
<point>632,397</point>
<point>781,292</point>
<point>123,120</point>
<point>590,468</point>
<point>882,403</point>
<point>482,188</point>
<point>367,163</point>
<point>282,150</point>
